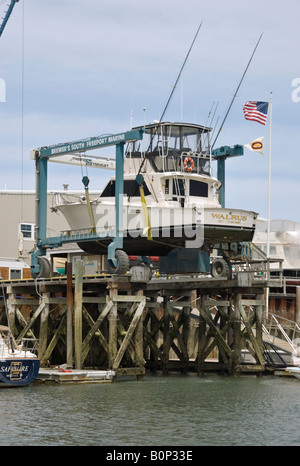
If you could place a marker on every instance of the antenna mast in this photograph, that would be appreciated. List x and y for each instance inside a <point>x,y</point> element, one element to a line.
<point>178,77</point>
<point>172,92</point>
<point>235,94</point>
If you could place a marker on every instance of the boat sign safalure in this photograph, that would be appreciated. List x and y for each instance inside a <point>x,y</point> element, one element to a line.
<point>19,366</point>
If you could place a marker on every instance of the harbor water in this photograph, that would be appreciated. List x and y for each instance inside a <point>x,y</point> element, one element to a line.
<point>155,411</point>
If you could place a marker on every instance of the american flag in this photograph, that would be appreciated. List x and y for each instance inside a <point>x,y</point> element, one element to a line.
<point>256,111</point>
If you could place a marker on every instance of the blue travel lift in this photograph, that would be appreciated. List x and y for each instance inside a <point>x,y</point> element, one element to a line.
<point>40,266</point>
<point>220,155</point>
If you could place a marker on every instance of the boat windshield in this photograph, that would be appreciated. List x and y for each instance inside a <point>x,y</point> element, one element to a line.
<point>174,147</point>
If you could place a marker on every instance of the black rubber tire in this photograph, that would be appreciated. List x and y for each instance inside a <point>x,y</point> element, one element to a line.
<point>122,264</point>
<point>45,268</point>
<point>220,268</point>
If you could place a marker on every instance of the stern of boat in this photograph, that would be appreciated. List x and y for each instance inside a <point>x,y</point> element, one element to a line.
<point>226,225</point>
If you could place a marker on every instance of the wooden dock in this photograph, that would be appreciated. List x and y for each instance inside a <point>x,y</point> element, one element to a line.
<point>69,376</point>
<point>126,325</point>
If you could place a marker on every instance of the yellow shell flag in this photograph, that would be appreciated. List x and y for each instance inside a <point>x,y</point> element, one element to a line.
<point>257,145</point>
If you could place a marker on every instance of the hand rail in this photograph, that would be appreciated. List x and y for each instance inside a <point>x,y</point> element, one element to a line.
<point>291,325</point>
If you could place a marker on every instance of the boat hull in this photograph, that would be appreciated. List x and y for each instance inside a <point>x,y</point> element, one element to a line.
<point>169,227</point>
<point>18,371</point>
<point>161,245</point>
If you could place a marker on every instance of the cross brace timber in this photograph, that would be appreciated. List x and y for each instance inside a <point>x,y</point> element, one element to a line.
<point>128,327</point>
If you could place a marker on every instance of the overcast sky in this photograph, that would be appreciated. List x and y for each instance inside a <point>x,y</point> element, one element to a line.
<point>75,69</point>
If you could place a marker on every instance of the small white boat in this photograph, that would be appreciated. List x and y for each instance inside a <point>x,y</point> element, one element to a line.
<point>284,239</point>
<point>175,206</point>
<point>294,371</point>
<point>19,366</point>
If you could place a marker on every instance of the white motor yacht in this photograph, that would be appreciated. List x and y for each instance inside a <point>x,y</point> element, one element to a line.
<point>175,205</point>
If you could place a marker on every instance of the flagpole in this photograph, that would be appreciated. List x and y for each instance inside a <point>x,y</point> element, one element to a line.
<point>269,195</point>
<point>269,181</point>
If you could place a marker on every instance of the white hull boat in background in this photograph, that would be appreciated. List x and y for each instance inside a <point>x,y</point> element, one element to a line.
<point>294,371</point>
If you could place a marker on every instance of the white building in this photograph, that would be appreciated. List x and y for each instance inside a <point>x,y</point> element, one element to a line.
<point>17,234</point>
<point>17,231</point>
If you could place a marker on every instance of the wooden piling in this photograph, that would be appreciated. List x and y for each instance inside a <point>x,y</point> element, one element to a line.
<point>11,309</point>
<point>69,357</point>
<point>297,304</point>
<point>166,336</point>
<point>138,336</point>
<point>112,321</point>
<point>44,320</point>
<point>78,315</point>
<point>201,339</point>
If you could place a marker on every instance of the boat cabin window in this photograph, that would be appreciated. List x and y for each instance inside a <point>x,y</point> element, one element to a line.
<point>198,188</point>
<point>167,145</point>
<point>131,189</point>
<point>178,187</point>
<point>167,186</point>
<point>179,190</point>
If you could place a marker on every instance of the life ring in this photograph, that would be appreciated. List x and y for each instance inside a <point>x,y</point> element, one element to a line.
<point>188,164</point>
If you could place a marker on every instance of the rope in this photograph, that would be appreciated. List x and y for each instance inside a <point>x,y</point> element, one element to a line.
<point>22,112</point>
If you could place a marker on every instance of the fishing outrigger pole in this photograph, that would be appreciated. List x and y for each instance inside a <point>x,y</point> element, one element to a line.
<point>139,180</point>
<point>235,94</point>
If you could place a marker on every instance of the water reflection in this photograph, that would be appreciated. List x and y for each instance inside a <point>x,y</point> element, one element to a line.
<point>155,411</point>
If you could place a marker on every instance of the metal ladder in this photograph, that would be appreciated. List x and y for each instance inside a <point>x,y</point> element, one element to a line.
<point>281,336</point>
